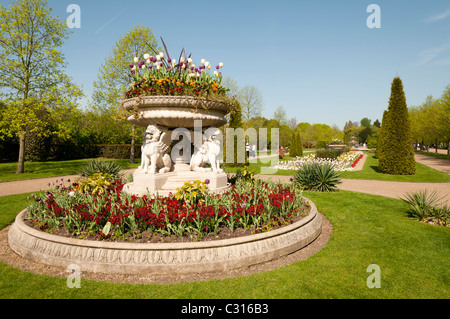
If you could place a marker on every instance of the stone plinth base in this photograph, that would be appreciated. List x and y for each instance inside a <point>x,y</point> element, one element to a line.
<point>165,183</point>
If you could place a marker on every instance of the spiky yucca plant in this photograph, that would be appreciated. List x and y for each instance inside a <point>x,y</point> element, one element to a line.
<point>316,177</point>
<point>111,168</point>
<point>422,204</point>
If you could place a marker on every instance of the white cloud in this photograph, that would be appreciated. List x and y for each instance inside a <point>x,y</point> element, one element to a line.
<point>438,17</point>
<point>430,54</point>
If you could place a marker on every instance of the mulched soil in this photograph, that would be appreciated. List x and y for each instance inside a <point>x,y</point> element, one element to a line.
<point>8,256</point>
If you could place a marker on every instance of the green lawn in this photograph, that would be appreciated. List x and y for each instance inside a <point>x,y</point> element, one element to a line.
<point>432,154</point>
<point>414,259</point>
<point>48,169</point>
<point>424,174</point>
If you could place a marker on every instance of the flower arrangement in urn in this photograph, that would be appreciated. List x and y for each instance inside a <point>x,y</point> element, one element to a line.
<point>160,75</point>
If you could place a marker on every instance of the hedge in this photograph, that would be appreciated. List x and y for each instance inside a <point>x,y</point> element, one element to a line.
<point>10,152</point>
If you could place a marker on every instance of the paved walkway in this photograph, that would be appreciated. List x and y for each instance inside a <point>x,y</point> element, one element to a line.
<point>382,188</point>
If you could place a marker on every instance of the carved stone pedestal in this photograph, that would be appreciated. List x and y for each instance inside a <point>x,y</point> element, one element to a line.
<point>165,183</point>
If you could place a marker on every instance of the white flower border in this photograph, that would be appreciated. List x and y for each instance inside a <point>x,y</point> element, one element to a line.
<point>342,163</point>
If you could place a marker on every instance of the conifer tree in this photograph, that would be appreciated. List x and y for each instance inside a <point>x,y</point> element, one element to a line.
<point>232,143</point>
<point>293,152</point>
<point>296,147</point>
<point>299,144</point>
<point>395,150</point>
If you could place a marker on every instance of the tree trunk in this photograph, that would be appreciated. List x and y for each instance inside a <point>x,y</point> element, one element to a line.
<point>20,162</point>
<point>132,145</point>
<point>435,148</point>
<point>448,147</point>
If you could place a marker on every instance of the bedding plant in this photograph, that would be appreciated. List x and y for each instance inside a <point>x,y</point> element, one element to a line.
<point>159,74</point>
<point>246,208</point>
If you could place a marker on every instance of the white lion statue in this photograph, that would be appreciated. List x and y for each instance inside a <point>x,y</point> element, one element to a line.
<point>199,159</point>
<point>207,153</point>
<point>153,158</point>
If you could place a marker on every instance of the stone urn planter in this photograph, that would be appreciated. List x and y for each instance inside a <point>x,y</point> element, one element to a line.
<point>176,111</point>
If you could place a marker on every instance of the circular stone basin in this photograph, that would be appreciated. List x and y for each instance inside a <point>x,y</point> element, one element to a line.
<point>170,258</point>
<point>176,111</point>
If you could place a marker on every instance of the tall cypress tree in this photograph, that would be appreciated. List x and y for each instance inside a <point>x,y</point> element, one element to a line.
<point>379,151</point>
<point>299,144</point>
<point>396,156</point>
<point>293,151</point>
<point>237,140</point>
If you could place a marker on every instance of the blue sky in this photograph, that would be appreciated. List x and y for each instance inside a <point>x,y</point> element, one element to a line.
<point>317,59</point>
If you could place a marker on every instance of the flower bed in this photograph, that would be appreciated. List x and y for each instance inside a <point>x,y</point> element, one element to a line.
<point>161,75</point>
<point>113,215</point>
<point>357,160</point>
<point>344,162</point>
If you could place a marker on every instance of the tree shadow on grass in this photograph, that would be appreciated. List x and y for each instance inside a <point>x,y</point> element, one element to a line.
<point>375,168</point>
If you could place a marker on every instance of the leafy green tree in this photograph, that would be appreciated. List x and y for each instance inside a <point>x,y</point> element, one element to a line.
<point>303,126</point>
<point>365,122</point>
<point>32,79</point>
<point>396,155</point>
<point>444,116</point>
<point>113,77</point>
<point>285,133</point>
<point>364,133</point>
<point>377,123</point>
<point>251,100</point>
<point>280,116</point>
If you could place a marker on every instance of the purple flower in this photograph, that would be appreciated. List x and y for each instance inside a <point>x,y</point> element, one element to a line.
<point>217,67</point>
<point>131,66</point>
<point>207,181</point>
<point>169,60</point>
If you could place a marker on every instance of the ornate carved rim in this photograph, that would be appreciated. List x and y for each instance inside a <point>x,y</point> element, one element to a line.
<point>175,101</point>
<point>150,258</point>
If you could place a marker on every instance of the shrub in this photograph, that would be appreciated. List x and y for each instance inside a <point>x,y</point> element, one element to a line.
<point>111,168</point>
<point>329,153</point>
<point>245,175</point>
<point>193,192</point>
<point>322,178</point>
<point>321,144</point>
<point>97,183</point>
<point>423,205</point>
